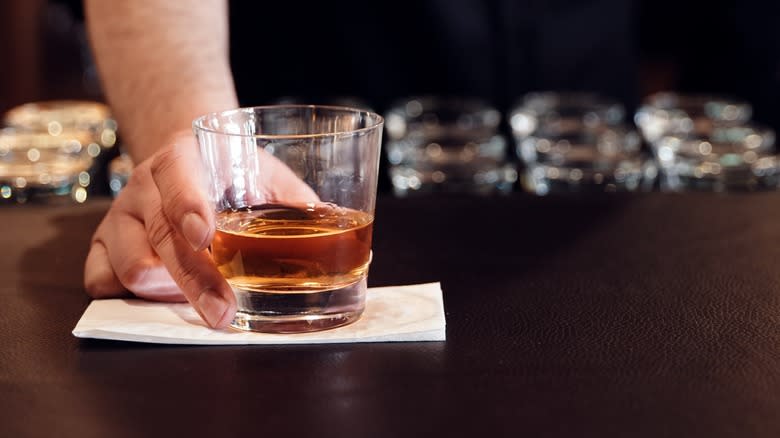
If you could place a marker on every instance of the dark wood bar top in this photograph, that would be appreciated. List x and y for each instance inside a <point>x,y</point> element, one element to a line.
<point>652,315</point>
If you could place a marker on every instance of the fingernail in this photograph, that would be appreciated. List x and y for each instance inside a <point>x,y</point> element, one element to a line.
<point>195,230</point>
<point>212,307</point>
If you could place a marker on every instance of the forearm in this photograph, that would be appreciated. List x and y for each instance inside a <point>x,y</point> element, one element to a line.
<point>162,63</point>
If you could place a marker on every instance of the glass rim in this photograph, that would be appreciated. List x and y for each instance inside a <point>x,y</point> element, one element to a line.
<point>199,123</point>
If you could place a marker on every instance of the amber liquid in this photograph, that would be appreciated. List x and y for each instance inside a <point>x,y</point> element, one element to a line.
<point>292,249</point>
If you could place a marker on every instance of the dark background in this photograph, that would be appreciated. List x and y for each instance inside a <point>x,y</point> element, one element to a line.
<point>496,49</point>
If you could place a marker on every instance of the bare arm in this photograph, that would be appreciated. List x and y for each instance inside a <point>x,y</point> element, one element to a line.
<point>162,64</point>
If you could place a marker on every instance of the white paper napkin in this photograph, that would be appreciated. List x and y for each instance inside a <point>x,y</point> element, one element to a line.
<point>393,314</point>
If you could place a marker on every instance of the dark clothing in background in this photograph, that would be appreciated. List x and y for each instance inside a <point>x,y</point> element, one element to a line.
<point>728,47</point>
<point>499,49</point>
<point>381,51</point>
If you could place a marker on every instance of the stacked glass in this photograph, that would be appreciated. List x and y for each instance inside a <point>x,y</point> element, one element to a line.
<point>447,145</point>
<point>577,142</point>
<point>54,149</point>
<point>60,116</point>
<point>707,143</point>
<point>43,166</point>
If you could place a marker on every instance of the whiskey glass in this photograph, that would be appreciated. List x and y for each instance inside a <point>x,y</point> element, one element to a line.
<point>293,188</point>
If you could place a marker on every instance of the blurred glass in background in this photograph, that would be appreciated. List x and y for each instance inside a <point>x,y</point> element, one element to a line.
<point>707,143</point>
<point>119,171</point>
<point>668,112</point>
<point>577,142</point>
<point>495,51</point>
<point>342,101</point>
<point>44,166</point>
<point>55,148</point>
<point>437,144</point>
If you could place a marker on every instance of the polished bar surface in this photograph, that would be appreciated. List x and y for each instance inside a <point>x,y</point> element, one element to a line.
<point>641,315</point>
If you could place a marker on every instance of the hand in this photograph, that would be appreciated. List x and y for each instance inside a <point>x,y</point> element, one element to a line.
<point>152,242</point>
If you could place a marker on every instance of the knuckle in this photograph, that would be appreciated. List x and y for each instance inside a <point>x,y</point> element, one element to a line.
<point>97,236</point>
<point>178,201</point>
<point>139,179</point>
<point>186,275</point>
<point>164,161</point>
<point>97,289</point>
<point>134,274</point>
<point>179,194</point>
<point>159,231</point>
<point>99,280</point>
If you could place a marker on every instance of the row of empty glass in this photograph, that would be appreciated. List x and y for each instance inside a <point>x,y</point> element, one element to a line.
<point>579,142</point>
<point>549,143</point>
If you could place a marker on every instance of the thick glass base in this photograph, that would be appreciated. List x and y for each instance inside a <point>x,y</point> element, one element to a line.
<point>296,312</point>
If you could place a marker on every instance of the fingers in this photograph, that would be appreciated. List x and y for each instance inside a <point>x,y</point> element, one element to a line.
<point>175,172</point>
<point>99,278</point>
<point>135,264</point>
<point>193,271</point>
<point>280,183</point>
<point>151,241</point>
<point>121,260</point>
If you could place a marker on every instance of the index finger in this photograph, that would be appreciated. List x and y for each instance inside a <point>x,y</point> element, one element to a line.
<point>193,271</point>
<point>176,172</point>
